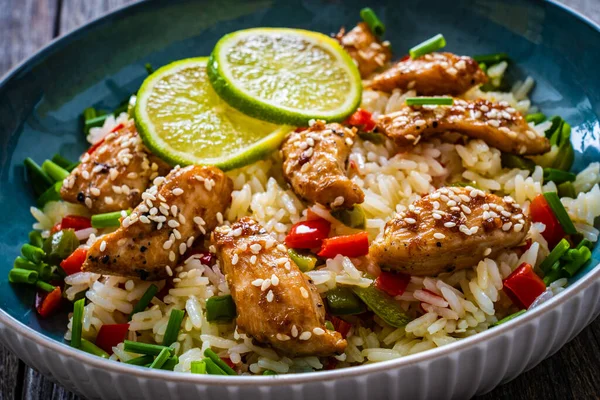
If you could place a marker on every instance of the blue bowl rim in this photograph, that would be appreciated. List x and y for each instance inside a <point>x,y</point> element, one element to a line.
<point>276,380</point>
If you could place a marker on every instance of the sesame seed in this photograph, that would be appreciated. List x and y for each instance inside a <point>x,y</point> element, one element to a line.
<point>255,248</point>
<point>438,235</point>
<point>172,223</point>
<point>518,227</point>
<point>410,220</point>
<point>266,284</point>
<point>174,210</point>
<point>172,256</point>
<point>338,201</point>
<point>305,335</point>
<point>181,219</point>
<point>466,209</point>
<point>257,282</point>
<point>234,261</point>
<point>304,292</point>
<point>465,230</point>
<point>182,248</point>
<point>449,224</point>
<point>177,234</point>
<point>294,331</point>
<point>114,174</point>
<point>167,244</point>
<point>85,175</point>
<point>199,221</point>
<point>270,296</point>
<point>190,241</point>
<point>158,180</point>
<point>274,280</point>
<point>253,260</point>
<point>169,270</point>
<point>103,246</point>
<point>281,337</point>
<point>281,247</point>
<point>436,216</point>
<point>145,220</point>
<point>487,251</point>
<point>88,202</point>
<point>318,331</point>
<point>506,226</point>
<point>349,141</point>
<point>108,200</point>
<point>177,191</point>
<point>220,218</point>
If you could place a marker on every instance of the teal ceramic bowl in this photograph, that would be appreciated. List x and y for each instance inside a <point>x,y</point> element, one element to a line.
<point>103,62</point>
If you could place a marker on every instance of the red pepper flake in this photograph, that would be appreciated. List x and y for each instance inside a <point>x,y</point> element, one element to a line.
<point>116,128</point>
<point>95,146</point>
<point>362,119</point>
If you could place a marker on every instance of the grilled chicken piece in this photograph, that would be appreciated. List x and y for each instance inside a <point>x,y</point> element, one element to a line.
<point>431,74</point>
<point>449,229</point>
<point>161,228</point>
<point>114,175</point>
<point>497,124</point>
<point>314,163</point>
<point>276,303</point>
<point>368,53</point>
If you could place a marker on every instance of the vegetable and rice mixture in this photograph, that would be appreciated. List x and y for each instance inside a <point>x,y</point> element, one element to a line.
<point>298,203</point>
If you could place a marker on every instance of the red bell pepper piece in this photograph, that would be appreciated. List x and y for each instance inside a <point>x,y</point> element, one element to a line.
<point>541,211</point>
<point>56,228</point>
<point>392,283</point>
<point>95,146</point>
<point>73,263</point>
<point>111,335</point>
<point>523,286</point>
<point>75,222</point>
<point>341,326</point>
<point>48,304</point>
<point>355,245</point>
<point>206,257</point>
<point>362,119</point>
<point>308,234</point>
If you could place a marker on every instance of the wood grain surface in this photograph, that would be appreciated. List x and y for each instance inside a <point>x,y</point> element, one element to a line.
<point>26,25</point>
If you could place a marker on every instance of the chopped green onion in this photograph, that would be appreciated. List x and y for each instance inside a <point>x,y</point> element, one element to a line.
<point>23,263</point>
<point>566,189</point>
<point>111,219</point>
<point>60,246</point>
<point>149,68</point>
<point>61,161</point>
<point>575,259</point>
<point>89,113</point>
<point>40,181</point>
<point>36,239</point>
<point>483,67</point>
<point>552,132</point>
<point>142,360</point>
<point>145,300</point>
<point>514,161</point>
<point>554,274</point>
<point>77,323</point>
<point>143,348</point>
<point>91,348</point>
<point>161,358</point>
<point>342,301</point>
<point>429,101</point>
<point>556,253</point>
<point>491,58</point>
<point>95,122</point>
<point>371,19</point>
<point>72,166</point>
<point>465,184</point>
<point>430,45</point>
<point>268,372</point>
<point>354,217</point>
<point>373,137</point>
<point>46,287</point>
<point>217,360</point>
<point>170,364</point>
<point>212,368</point>
<point>536,118</point>
<point>508,318</point>
<point>558,176</point>
<point>53,170</point>
<point>173,327</point>
<point>560,212</point>
<point>52,194</point>
<point>198,367</point>
<point>18,275</point>
<point>329,326</point>
<point>220,309</point>
<point>585,243</point>
<point>32,253</point>
<point>305,262</point>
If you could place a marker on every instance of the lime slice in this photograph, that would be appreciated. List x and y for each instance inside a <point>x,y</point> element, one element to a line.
<point>286,76</point>
<point>183,121</point>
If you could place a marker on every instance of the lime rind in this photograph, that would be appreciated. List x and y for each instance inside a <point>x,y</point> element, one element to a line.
<point>238,97</point>
<point>248,154</point>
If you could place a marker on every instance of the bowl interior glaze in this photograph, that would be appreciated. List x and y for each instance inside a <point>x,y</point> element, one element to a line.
<point>102,63</point>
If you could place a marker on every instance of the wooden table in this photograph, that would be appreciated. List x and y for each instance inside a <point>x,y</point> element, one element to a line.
<point>26,25</point>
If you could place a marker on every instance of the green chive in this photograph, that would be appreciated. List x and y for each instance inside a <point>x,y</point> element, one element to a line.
<point>483,67</point>
<point>52,194</point>
<point>95,122</point>
<point>35,239</point>
<point>329,326</point>
<point>566,189</point>
<point>145,300</point>
<point>54,171</point>
<point>149,68</point>
<point>220,309</point>
<point>508,318</point>
<point>556,253</point>
<point>91,348</point>
<point>371,19</point>
<point>575,259</point>
<point>198,367</point>
<point>514,161</point>
<point>430,45</point>
<point>142,360</point>
<point>217,360</point>
<point>173,327</point>
<point>61,161</point>
<point>268,372</point>
<point>161,358</point>
<point>40,181</point>
<point>143,348</point>
<point>585,243</point>
<point>89,113</point>
<point>212,368</point>
<point>77,323</point>
<point>305,261</point>
<point>491,58</point>
<point>536,118</point>
<point>18,275</point>
<point>72,166</point>
<point>32,253</point>
<point>111,219</point>
<point>170,364</point>
<point>558,176</point>
<point>46,287</point>
<point>560,212</point>
<point>554,274</point>
<point>429,101</point>
<point>23,263</point>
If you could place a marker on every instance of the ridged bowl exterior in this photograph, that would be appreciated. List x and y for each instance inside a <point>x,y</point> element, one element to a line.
<point>99,64</point>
